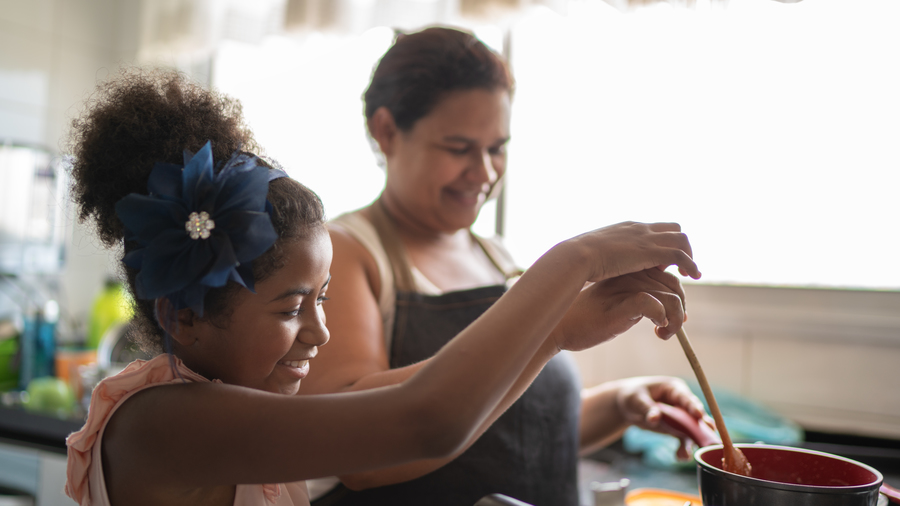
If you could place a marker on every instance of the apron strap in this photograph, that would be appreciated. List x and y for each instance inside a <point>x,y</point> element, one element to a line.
<point>393,248</point>
<point>404,281</point>
<point>499,257</point>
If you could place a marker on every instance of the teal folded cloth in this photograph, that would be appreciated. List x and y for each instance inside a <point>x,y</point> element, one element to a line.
<point>747,422</point>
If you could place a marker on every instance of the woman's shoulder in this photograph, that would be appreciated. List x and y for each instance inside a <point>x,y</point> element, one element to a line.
<point>353,222</point>
<point>354,233</point>
<point>357,244</point>
<point>360,262</point>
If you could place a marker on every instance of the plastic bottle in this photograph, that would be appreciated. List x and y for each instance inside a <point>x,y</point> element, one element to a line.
<point>27,347</point>
<point>45,349</point>
<point>38,343</point>
<point>111,307</point>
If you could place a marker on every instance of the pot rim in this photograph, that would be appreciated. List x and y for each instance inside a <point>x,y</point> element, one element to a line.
<point>866,487</point>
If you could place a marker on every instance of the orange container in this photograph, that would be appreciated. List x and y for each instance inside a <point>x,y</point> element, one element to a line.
<point>659,497</point>
<point>67,363</point>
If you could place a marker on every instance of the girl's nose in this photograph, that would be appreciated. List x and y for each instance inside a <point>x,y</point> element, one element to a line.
<point>314,331</point>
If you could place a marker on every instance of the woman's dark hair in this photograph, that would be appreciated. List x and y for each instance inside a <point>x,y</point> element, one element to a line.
<point>142,117</point>
<point>422,67</point>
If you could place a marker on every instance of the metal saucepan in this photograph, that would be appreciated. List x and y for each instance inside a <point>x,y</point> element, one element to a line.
<point>782,475</point>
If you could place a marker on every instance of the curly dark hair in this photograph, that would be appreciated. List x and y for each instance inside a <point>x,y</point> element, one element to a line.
<point>141,117</point>
<point>422,67</point>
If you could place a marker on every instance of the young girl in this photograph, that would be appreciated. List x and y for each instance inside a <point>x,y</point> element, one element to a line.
<point>229,260</point>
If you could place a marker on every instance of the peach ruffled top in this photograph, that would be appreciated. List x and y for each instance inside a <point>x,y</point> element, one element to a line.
<point>85,483</point>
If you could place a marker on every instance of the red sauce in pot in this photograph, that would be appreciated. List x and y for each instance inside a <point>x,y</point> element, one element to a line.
<point>785,465</point>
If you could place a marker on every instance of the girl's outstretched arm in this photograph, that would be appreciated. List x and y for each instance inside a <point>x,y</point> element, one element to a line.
<point>601,312</point>
<point>202,435</point>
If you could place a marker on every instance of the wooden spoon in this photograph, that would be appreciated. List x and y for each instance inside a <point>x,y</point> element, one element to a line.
<point>733,459</point>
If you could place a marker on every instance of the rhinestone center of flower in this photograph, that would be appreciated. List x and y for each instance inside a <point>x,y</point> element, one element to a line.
<point>199,224</point>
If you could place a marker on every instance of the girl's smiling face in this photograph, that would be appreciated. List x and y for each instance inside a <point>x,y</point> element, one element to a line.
<point>271,335</point>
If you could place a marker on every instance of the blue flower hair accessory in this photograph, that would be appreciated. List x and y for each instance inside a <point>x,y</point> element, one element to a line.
<point>196,229</point>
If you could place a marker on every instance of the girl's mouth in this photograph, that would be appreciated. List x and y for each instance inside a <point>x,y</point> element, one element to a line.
<point>298,364</point>
<point>298,368</point>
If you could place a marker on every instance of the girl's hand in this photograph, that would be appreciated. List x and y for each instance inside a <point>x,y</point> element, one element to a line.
<point>637,400</point>
<point>631,247</point>
<point>610,307</point>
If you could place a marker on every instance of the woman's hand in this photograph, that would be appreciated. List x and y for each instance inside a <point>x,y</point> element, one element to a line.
<point>637,400</point>
<point>630,247</point>
<point>610,307</point>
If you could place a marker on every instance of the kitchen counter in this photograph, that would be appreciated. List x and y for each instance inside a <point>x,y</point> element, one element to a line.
<point>33,455</point>
<point>37,431</point>
<point>613,463</point>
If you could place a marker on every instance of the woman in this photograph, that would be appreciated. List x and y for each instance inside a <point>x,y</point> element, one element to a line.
<point>409,275</point>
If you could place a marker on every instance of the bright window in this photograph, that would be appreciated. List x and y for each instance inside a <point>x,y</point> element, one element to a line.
<point>768,130</point>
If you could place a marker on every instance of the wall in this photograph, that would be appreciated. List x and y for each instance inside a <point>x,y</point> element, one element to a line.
<point>52,52</point>
<point>827,359</point>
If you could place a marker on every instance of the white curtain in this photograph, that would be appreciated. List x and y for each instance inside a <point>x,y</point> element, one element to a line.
<point>184,30</point>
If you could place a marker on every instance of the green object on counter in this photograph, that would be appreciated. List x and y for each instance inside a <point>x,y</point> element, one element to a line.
<point>9,371</point>
<point>50,396</point>
<point>111,307</point>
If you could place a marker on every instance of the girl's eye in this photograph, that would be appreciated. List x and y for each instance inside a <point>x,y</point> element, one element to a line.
<point>497,150</point>
<point>321,299</point>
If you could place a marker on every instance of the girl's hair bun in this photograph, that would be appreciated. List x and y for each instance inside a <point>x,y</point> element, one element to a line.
<point>135,119</point>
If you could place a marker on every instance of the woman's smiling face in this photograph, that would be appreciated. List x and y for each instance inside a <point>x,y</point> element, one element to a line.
<point>442,170</point>
<point>271,335</point>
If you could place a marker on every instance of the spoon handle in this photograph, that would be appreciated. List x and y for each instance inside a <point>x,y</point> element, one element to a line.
<point>704,385</point>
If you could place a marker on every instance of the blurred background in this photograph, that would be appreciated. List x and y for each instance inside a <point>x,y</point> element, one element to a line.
<point>768,129</point>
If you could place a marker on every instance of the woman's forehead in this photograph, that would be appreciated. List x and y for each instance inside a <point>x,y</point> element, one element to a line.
<point>475,110</point>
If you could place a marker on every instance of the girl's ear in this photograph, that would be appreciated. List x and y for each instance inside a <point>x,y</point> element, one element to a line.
<point>383,129</point>
<point>179,324</point>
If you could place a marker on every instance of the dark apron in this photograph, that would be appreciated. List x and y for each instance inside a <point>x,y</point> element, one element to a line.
<point>530,453</point>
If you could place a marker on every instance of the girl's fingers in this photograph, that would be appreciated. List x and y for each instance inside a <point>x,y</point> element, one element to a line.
<point>686,264</point>
<point>645,305</point>
<point>667,282</point>
<point>670,235</point>
<point>632,247</point>
<point>664,227</point>
<point>674,309</point>
<point>655,295</point>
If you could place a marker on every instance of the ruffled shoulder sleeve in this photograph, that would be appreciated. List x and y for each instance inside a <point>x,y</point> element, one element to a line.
<point>106,397</point>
